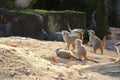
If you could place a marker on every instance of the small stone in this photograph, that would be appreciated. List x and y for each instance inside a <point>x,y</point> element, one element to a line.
<point>48,69</point>
<point>28,72</point>
<point>58,77</point>
<point>23,38</point>
<point>11,74</point>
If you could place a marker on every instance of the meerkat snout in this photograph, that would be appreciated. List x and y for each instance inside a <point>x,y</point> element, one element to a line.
<point>91,32</point>
<point>117,44</point>
<point>65,33</point>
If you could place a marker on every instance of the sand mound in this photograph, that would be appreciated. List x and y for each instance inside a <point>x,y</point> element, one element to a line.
<point>25,58</point>
<point>111,69</point>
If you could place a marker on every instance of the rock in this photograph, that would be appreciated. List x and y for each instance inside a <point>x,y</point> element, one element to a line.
<point>39,24</point>
<point>27,72</point>
<point>23,3</point>
<point>11,74</point>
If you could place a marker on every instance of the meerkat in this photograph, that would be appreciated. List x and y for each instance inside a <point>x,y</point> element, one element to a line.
<point>96,42</point>
<point>117,46</point>
<point>66,54</point>
<point>69,39</point>
<point>78,32</point>
<point>81,50</point>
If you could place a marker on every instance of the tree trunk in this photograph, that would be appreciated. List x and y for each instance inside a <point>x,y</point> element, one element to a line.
<point>101,19</point>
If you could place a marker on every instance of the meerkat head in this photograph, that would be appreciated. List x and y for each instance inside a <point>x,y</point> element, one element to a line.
<point>117,44</point>
<point>58,49</point>
<point>91,32</point>
<point>65,33</point>
<point>78,42</point>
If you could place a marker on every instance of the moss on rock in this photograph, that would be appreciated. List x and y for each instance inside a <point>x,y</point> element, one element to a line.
<point>51,21</point>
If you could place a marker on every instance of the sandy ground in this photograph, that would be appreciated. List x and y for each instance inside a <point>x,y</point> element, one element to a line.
<point>24,58</point>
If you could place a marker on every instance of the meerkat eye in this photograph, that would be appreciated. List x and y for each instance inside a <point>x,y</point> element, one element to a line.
<point>117,44</point>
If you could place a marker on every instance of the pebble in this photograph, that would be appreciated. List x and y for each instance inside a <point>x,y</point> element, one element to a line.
<point>12,74</point>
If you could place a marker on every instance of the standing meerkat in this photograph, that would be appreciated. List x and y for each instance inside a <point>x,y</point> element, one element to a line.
<point>69,39</point>
<point>66,54</point>
<point>117,46</point>
<point>78,32</point>
<point>81,50</point>
<point>96,42</point>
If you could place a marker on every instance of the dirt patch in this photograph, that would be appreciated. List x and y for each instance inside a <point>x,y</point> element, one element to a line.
<point>26,58</point>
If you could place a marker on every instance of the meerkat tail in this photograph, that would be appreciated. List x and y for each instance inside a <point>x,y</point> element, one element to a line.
<point>91,60</point>
<point>79,59</point>
<point>103,45</point>
<point>68,25</point>
<point>74,57</point>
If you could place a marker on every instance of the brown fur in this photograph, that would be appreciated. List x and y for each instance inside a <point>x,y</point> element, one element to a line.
<point>66,54</point>
<point>117,46</point>
<point>96,42</point>
<point>103,45</point>
<point>78,32</point>
<point>69,39</point>
<point>81,51</point>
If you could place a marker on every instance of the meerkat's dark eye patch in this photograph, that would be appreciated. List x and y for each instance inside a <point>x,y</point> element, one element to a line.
<point>117,44</point>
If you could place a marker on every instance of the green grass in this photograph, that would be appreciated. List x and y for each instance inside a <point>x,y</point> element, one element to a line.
<point>27,11</point>
<point>45,12</point>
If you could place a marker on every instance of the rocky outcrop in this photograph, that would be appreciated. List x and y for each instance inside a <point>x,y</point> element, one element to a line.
<point>42,24</point>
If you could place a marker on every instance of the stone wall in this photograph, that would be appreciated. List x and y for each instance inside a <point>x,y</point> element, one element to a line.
<point>43,24</point>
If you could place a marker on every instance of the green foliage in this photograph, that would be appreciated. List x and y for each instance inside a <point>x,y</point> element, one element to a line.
<point>45,12</point>
<point>27,11</point>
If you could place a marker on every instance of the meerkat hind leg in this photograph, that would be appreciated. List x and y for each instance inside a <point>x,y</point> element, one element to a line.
<point>73,45</point>
<point>80,56</point>
<point>94,49</point>
<point>67,46</point>
<point>101,49</point>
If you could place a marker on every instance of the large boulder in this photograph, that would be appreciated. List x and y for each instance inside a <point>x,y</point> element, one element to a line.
<point>57,21</point>
<point>42,24</point>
